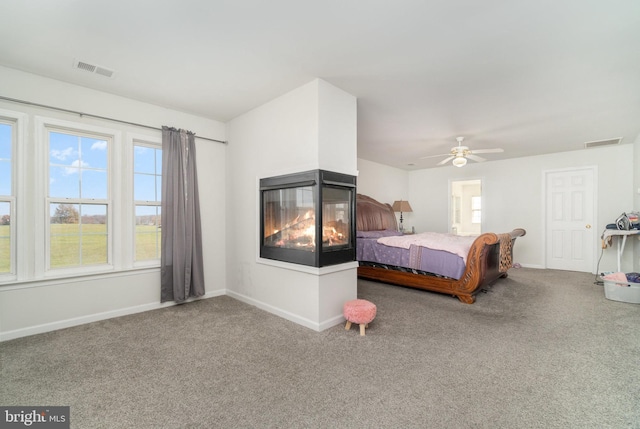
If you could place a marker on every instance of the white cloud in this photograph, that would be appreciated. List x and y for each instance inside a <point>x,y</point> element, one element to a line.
<point>62,155</point>
<point>99,145</point>
<point>75,165</point>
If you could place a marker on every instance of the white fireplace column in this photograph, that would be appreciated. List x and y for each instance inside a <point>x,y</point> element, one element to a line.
<point>311,127</point>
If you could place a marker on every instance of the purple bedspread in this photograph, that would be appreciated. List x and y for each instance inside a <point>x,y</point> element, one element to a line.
<point>418,258</point>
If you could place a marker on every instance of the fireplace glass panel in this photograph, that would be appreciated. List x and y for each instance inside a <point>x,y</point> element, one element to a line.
<point>336,217</point>
<point>289,218</point>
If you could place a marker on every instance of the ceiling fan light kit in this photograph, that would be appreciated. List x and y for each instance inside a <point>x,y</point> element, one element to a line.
<point>459,161</point>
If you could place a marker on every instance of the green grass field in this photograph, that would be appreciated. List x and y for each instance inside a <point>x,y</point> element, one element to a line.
<point>147,242</point>
<point>65,245</point>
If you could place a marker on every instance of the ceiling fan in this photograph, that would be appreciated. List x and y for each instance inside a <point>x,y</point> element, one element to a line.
<point>459,154</point>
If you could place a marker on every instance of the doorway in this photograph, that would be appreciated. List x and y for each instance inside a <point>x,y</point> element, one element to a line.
<point>570,219</point>
<point>466,207</point>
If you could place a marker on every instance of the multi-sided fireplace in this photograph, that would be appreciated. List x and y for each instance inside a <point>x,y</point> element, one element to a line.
<point>308,218</point>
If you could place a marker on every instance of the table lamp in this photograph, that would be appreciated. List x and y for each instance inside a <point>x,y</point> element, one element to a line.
<point>401,206</point>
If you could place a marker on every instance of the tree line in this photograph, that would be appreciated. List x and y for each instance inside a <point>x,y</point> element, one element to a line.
<point>67,213</point>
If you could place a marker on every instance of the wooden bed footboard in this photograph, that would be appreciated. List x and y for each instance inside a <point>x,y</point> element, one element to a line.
<point>489,258</point>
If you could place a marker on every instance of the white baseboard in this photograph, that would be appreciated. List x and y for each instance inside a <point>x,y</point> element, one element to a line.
<point>287,315</point>
<point>76,321</point>
<point>68,323</point>
<point>538,267</point>
<point>337,320</point>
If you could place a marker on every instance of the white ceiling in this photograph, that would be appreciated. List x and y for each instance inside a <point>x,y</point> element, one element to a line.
<point>530,77</point>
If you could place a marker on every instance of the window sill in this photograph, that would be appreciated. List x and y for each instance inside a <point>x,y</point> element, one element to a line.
<point>51,281</point>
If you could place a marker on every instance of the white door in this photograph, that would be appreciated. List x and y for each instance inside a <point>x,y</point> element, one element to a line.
<point>570,219</point>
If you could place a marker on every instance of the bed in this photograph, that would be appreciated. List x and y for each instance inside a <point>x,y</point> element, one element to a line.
<point>388,256</point>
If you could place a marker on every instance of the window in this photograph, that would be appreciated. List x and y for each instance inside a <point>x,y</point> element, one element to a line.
<point>78,199</point>
<point>476,209</point>
<point>456,209</point>
<point>147,191</point>
<point>7,204</point>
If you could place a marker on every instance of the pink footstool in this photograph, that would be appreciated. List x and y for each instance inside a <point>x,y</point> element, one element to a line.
<point>359,311</point>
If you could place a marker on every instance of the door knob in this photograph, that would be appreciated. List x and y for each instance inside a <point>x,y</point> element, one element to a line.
<point>588,226</point>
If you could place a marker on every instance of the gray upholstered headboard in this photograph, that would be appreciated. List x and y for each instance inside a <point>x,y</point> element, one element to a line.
<point>372,215</point>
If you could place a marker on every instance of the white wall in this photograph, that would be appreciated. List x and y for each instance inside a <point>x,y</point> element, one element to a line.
<point>381,182</point>
<point>299,131</point>
<point>337,129</point>
<point>513,196</point>
<point>385,184</point>
<point>42,305</point>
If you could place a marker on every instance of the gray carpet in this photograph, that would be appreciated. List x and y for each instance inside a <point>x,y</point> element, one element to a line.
<point>540,349</point>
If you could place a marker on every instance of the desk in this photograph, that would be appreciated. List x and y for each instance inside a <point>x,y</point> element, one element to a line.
<point>621,239</point>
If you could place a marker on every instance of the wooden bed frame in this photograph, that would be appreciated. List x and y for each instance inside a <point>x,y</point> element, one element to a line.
<point>488,260</point>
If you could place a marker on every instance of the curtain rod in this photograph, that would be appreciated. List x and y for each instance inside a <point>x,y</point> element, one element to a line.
<point>81,114</point>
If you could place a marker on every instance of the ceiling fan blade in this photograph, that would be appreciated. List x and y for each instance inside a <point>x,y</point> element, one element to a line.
<point>434,156</point>
<point>496,150</point>
<point>444,161</point>
<point>475,157</point>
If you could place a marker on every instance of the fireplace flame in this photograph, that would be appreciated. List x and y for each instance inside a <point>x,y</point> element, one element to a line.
<point>311,233</point>
<point>300,233</point>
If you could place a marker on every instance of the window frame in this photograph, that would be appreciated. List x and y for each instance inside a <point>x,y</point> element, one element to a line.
<point>17,122</point>
<point>156,144</point>
<point>45,125</point>
<point>476,209</point>
<point>77,201</point>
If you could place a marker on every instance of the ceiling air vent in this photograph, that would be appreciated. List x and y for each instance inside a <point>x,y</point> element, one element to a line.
<point>92,68</point>
<point>599,143</point>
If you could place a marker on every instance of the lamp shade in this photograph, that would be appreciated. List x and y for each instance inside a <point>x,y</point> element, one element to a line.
<point>402,206</point>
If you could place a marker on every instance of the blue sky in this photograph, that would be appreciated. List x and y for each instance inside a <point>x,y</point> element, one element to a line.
<point>147,162</point>
<point>5,165</point>
<point>78,169</point>
<point>147,165</point>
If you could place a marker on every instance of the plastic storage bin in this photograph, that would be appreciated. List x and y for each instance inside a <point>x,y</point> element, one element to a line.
<point>615,292</point>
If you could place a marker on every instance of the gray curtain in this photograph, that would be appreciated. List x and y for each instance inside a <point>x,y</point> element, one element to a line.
<point>182,274</point>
